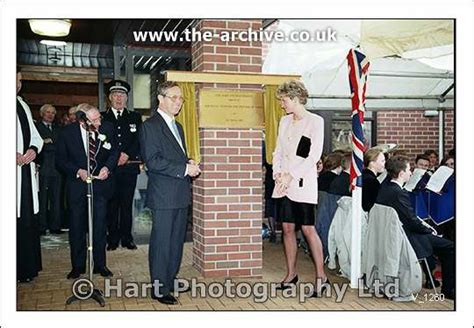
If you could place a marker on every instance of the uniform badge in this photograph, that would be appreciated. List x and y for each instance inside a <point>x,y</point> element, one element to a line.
<point>133,128</point>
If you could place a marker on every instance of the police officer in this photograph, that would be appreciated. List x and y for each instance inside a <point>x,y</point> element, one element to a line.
<point>127,124</point>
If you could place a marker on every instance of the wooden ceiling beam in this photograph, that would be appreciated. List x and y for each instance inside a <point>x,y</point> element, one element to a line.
<point>59,74</point>
<point>236,78</point>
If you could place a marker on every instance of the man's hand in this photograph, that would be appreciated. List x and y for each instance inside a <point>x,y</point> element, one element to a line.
<point>29,156</point>
<point>103,174</point>
<point>19,159</point>
<point>82,174</point>
<point>122,159</point>
<point>193,170</point>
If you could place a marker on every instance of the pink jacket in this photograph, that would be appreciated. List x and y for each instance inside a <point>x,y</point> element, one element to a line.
<point>286,160</point>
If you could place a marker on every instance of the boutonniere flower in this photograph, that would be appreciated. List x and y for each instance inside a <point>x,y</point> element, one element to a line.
<point>102,137</point>
<point>107,145</point>
<point>133,128</point>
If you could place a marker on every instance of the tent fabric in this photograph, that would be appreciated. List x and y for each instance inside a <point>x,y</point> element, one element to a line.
<point>323,66</point>
<point>382,38</point>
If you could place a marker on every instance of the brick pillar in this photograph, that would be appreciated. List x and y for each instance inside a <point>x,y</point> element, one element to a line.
<point>227,197</point>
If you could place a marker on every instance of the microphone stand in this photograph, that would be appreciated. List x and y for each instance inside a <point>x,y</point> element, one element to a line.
<point>94,293</point>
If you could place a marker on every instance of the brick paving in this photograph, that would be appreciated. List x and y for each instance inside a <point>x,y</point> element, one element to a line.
<point>50,290</point>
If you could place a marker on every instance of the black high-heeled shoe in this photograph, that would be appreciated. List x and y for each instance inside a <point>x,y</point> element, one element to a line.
<point>285,285</point>
<point>324,287</point>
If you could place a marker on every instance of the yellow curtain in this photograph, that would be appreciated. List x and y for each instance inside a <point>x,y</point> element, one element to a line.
<point>187,117</point>
<point>272,113</point>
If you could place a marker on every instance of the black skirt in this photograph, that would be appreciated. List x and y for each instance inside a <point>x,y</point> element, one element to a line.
<point>295,212</point>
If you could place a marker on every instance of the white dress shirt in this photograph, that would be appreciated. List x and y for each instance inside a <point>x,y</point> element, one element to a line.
<point>116,112</point>
<point>49,126</point>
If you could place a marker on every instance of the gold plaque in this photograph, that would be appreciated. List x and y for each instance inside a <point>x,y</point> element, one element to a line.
<point>230,109</point>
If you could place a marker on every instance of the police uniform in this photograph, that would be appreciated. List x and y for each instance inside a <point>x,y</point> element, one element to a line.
<point>119,212</point>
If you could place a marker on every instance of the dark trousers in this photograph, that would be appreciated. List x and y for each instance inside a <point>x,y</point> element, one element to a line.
<point>50,202</point>
<point>63,204</point>
<point>444,250</point>
<point>119,212</point>
<point>78,230</point>
<point>165,252</point>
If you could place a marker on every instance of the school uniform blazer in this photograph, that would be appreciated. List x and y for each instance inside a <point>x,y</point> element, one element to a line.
<point>304,185</point>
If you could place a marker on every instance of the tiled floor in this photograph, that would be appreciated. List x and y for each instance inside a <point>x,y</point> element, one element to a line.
<point>51,289</point>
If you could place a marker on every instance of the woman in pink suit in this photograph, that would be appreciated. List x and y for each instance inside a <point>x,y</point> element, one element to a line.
<point>298,149</point>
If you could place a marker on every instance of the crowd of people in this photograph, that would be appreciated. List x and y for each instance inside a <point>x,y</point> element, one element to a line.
<point>52,175</point>
<point>117,141</point>
<point>295,202</point>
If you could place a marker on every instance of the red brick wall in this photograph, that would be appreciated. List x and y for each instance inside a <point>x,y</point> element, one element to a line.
<point>413,132</point>
<point>227,197</point>
<point>219,56</point>
<point>227,204</point>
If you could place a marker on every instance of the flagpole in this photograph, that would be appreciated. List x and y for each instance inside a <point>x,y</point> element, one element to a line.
<point>358,69</point>
<point>356,237</point>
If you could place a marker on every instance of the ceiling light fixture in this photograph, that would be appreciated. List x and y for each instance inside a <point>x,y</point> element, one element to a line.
<point>53,43</point>
<point>50,27</point>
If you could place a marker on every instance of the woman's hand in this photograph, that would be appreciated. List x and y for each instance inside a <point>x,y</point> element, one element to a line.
<point>281,188</point>
<point>282,182</point>
<point>286,179</point>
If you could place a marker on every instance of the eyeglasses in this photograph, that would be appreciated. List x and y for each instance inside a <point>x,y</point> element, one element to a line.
<point>175,98</point>
<point>96,120</point>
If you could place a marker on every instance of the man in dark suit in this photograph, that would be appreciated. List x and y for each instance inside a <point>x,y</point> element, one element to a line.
<point>71,158</point>
<point>126,124</point>
<point>422,237</point>
<point>49,178</point>
<point>168,195</point>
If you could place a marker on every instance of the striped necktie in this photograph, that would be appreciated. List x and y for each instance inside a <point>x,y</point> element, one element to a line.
<point>92,151</point>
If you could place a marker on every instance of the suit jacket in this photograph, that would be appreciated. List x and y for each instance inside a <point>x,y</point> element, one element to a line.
<point>304,185</point>
<point>46,159</point>
<point>392,195</point>
<point>71,156</point>
<point>341,185</point>
<point>126,134</point>
<point>370,189</point>
<point>168,186</point>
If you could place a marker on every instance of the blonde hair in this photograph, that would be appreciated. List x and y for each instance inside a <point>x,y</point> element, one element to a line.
<point>371,155</point>
<point>292,89</point>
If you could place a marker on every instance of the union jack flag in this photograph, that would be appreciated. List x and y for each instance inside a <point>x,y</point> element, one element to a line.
<point>358,70</point>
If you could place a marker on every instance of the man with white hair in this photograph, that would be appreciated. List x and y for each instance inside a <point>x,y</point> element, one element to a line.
<point>49,177</point>
<point>71,114</point>
<point>71,159</point>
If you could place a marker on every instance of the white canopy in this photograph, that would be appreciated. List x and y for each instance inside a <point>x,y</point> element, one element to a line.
<point>411,61</point>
